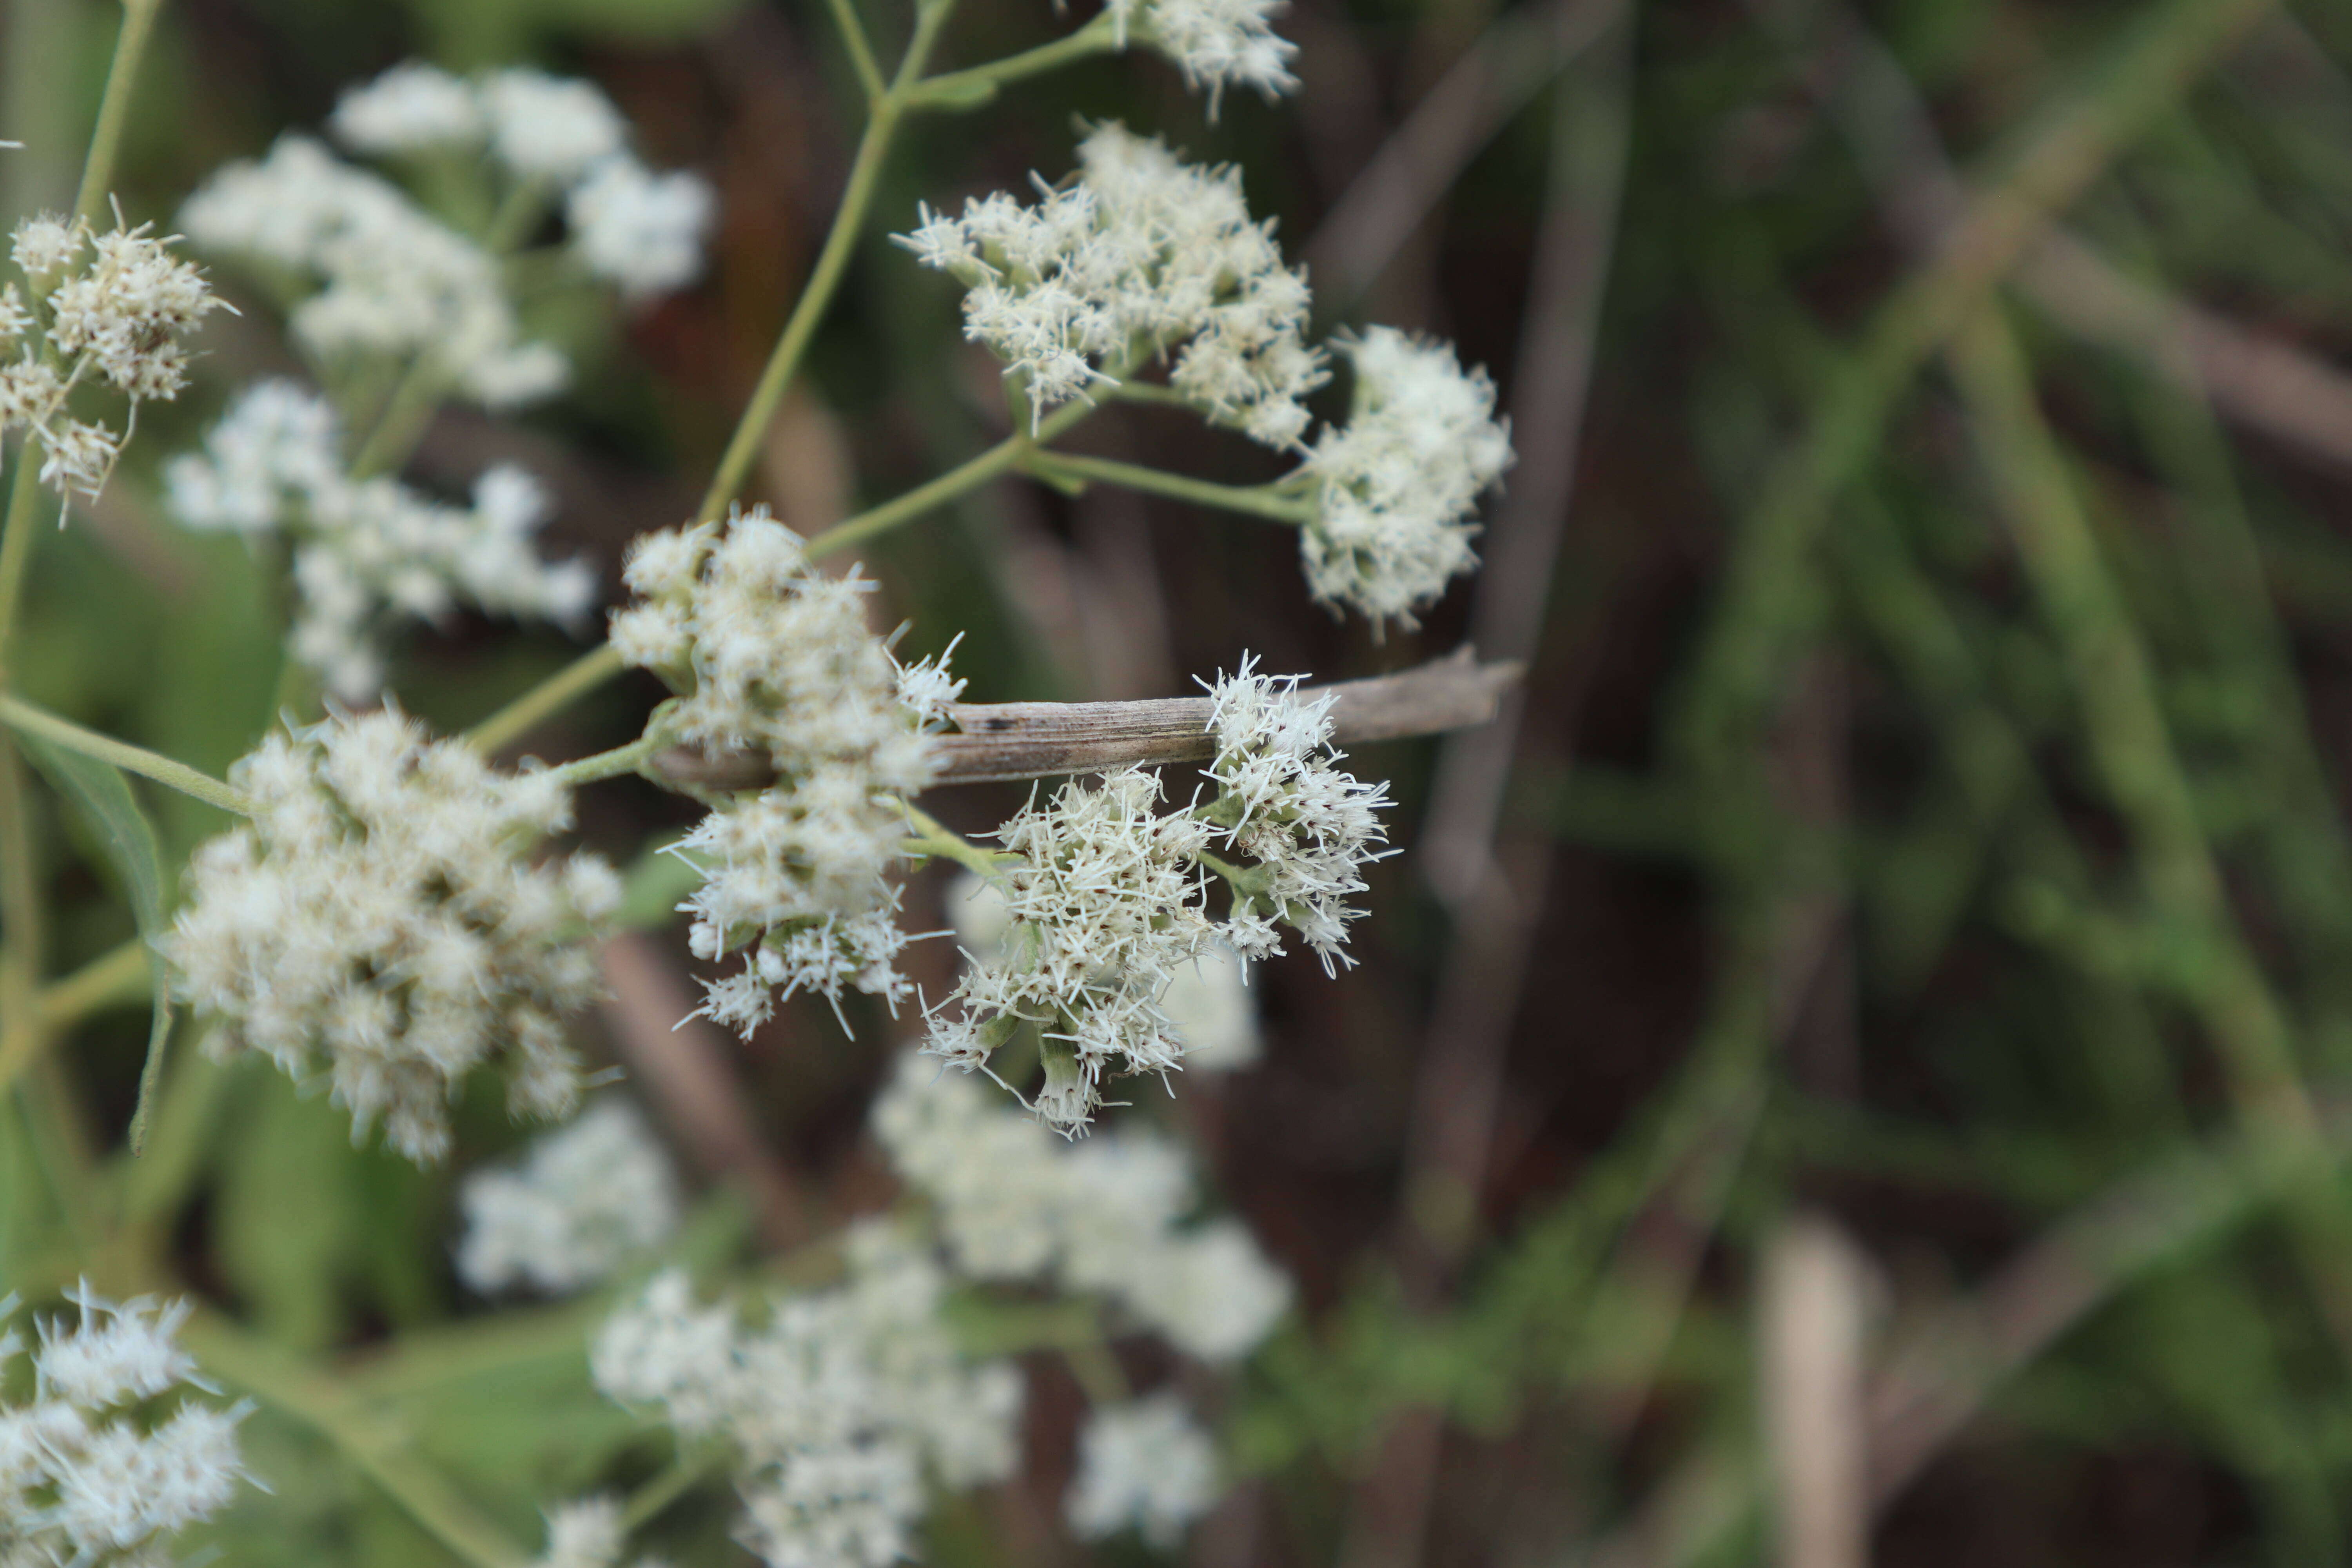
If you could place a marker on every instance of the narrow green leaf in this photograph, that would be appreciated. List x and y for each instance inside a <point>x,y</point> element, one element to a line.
<point>104,796</point>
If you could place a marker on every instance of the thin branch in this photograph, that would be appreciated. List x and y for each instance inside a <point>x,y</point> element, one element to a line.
<point>1007,741</point>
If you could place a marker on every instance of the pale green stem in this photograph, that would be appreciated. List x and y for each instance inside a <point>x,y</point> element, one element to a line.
<point>609,765</point>
<point>824,279</point>
<point>372,1447</point>
<point>114,108</point>
<point>116,977</point>
<point>933,837</point>
<point>524,714</point>
<point>16,530</point>
<point>689,1471</point>
<point>969,88</point>
<point>32,720</point>
<point>1258,500</point>
<point>1006,457</point>
<point>861,50</point>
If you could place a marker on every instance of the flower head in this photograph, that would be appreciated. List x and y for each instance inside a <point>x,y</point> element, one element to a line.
<point>1216,44</point>
<point>1141,255</point>
<point>379,920</point>
<point>97,1470</point>
<point>1398,484</point>
<point>641,230</point>
<point>767,654</point>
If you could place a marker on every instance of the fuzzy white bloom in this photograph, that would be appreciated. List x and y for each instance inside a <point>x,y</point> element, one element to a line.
<point>412,107</point>
<point>1105,907</point>
<point>1107,896</point>
<point>1398,484</point>
<point>367,551</point>
<point>380,918</point>
<point>92,1473</point>
<point>1014,1201</point>
<point>107,307</point>
<point>550,126</point>
<point>1216,42</point>
<point>392,280</point>
<point>640,230</point>
<point>839,1407</point>
<point>770,655</point>
<point>1309,827</point>
<point>583,1201</point>
<point>1145,1466</point>
<point>1142,255</point>
<point>1207,1001</point>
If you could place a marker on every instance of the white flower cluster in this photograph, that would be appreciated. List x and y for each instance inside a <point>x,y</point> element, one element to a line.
<point>1107,898</point>
<point>1012,1202</point>
<point>1216,42</point>
<point>771,656</point>
<point>839,1407</point>
<point>1307,827</point>
<point>391,281</point>
<point>1141,255</point>
<point>1145,1466</point>
<point>380,910</point>
<point>1207,1001</point>
<point>109,305</point>
<point>92,1471</point>
<point>640,230</point>
<point>1398,484</point>
<point>583,1201</point>
<point>366,550</point>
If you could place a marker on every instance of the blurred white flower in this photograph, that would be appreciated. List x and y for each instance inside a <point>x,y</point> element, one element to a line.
<point>367,551</point>
<point>837,1408</point>
<point>640,230</point>
<point>411,108</point>
<point>583,1201</point>
<point>1145,1466</point>
<point>1014,1201</point>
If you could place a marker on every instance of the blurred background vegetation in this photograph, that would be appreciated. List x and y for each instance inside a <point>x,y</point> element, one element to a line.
<point>1849,1069</point>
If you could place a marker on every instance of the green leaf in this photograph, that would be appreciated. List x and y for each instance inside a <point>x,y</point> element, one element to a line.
<point>104,797</point>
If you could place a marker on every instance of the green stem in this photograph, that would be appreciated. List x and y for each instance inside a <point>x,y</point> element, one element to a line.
<point>969,475</point>
<point>1258,500</point>
<point>16,530</point>
<point>524,714</point>
<point>114,108</point>
<point>861,50</point>
<point>933,837</point>
<point>970,88</point>
<point>610,765</point>
<point>373,1448</point>
<point>116,977</point>
<point>32,720</point>
<point>824,279</point>
<point>687,1471</point>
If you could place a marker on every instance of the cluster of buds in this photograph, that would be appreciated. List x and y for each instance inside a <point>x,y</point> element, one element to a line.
<point>95,307</point>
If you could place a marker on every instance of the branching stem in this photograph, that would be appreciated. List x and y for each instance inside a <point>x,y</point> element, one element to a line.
<point>21,715</point>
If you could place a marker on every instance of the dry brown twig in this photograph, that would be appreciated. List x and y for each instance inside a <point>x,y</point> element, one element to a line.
<point>1000,741</point>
